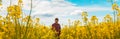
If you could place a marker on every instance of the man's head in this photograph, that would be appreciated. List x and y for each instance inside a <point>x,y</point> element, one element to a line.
<point>56,20</point>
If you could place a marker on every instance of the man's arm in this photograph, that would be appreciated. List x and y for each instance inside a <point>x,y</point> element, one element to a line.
<point>59,27</point>
<point>52,27</point>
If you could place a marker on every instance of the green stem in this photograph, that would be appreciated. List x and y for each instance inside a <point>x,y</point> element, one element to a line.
<point>28,21</point>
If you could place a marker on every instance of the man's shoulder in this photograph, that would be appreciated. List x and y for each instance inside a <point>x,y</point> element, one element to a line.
<point>53,24</point>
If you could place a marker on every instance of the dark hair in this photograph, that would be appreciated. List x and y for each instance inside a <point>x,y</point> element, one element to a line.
<point>56,19</point>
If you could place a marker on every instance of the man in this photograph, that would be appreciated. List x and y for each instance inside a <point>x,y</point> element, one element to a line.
<point>56,27</point>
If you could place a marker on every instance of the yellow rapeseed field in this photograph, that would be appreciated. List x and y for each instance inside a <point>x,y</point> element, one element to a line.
<point>14,26</point>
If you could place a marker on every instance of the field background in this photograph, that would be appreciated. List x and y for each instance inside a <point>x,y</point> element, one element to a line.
<point>17,23</point>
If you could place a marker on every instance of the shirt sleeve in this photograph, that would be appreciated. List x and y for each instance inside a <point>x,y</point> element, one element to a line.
<point>52,26</point>
<point>59,27</point>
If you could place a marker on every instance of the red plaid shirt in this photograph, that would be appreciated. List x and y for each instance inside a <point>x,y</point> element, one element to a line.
<point>57,28</point>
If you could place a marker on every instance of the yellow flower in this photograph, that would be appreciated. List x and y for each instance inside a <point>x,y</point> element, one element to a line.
<point>4,28</point>
<point>1,35</point>
<point>118,14</point>
<point>115,6</point>
<point>85,19</point>
<point>20,1</point>
<point>93,18</point>
<point>37,19</point>
<point>0,2</point>
<point>108,16</point>
<point>84,13</point>
<point>0,16</point>
<point>14,11</point>
<point>26,19</point>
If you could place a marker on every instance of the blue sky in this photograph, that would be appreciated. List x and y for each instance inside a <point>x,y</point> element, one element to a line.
<point>89,2</point>
<point>105,3</point>
<point>97,3</point>
<point>47,10</point>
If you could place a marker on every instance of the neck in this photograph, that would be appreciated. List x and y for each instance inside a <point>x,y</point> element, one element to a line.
<point>56,22</point>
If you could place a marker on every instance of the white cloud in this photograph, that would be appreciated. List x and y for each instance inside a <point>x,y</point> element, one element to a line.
<point>90,9</point>
<point>95,8</point>
<point>57,8</point>
<point>76,12</point>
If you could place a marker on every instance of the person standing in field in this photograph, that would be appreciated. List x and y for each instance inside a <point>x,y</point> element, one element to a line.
<point>56,27</point>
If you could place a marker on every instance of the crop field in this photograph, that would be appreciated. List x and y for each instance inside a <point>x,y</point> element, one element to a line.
<point>16,25</point>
